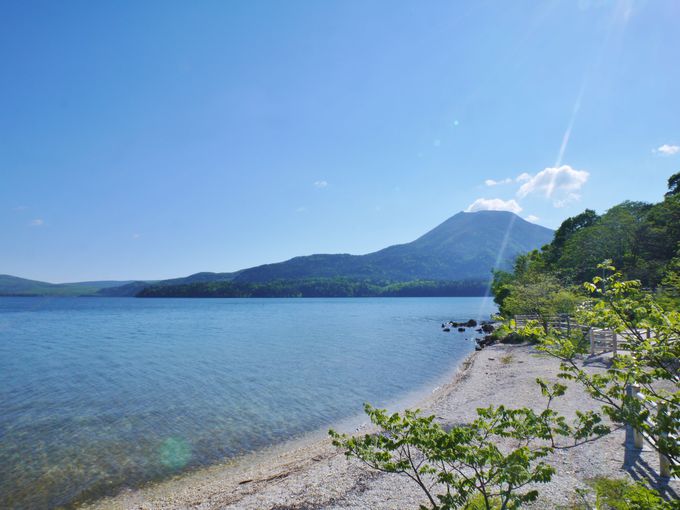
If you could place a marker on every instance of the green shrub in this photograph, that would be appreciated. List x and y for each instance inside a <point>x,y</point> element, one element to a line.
<point>622,494</point>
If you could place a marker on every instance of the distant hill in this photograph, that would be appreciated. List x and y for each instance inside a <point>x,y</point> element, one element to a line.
<point>464,248</point>
<point>104,284</point>
<point>15,286</point>
<point>131,289</point>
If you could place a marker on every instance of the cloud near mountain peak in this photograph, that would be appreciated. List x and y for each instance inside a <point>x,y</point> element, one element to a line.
<point>494,204</point>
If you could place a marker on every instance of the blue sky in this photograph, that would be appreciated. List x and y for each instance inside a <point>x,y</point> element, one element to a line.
<point>157,139</point>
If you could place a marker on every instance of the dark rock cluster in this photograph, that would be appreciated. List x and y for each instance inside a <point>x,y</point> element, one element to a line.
<point>469,324</point>
<point>485,327</point>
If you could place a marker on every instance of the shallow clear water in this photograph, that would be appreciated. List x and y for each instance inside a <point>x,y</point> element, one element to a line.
<point>102,393</point>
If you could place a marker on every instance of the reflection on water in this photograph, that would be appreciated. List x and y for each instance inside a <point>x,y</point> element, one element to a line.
<point>98,394</point>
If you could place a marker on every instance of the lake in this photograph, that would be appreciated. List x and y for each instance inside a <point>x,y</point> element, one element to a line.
<point>97,394</point>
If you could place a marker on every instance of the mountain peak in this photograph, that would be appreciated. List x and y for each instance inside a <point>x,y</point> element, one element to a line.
<point>466,246</point>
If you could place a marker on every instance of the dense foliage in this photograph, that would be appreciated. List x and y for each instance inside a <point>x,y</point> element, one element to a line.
<point>642,240</point>
<point>318,287</point>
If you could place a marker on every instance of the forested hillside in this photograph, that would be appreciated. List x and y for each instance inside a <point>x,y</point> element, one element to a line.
<point>642,240</point>
<point>320,287</point>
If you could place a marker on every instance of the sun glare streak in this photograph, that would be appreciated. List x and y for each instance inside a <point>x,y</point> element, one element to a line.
<point>499,257</point>
<point>567,133</point>
<point>621,15</point>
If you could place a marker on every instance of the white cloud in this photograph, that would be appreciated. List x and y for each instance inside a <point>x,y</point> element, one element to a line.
<point>532,218</point>
<point>560,184</point>
<point>37,222</point>
<point>320,184</point>
<point>494,204</point>
<point>491,182</point>
<point>523,177</point>
<point>667,150</point>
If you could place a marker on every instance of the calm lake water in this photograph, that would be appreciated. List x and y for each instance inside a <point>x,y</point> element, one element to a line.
<point>97,394</point>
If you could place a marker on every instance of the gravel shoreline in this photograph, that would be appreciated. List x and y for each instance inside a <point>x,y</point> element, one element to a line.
<point>312,474</point>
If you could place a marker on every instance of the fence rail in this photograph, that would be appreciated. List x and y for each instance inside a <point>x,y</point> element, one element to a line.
<point>601,340</point>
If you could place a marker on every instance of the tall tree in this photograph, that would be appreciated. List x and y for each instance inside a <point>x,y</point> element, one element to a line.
<point>673,184</point>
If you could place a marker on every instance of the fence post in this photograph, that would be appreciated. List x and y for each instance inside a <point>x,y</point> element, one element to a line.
<point>568,326</point>
<point>637,435</point>
<point>664,462</point>
<point>614,342</point>
<point>592,341</point>
<point>649,334</point>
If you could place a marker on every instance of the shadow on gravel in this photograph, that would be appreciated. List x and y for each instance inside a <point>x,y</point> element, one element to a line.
<point>599,361</point>
<point>640,470</point>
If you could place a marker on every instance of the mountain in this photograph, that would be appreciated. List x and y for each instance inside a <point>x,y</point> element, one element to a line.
<point>465,247</point>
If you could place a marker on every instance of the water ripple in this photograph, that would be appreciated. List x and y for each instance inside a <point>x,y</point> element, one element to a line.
<point>100,394</point>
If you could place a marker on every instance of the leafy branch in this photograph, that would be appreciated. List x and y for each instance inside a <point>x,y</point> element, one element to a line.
<point>464,463</point>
